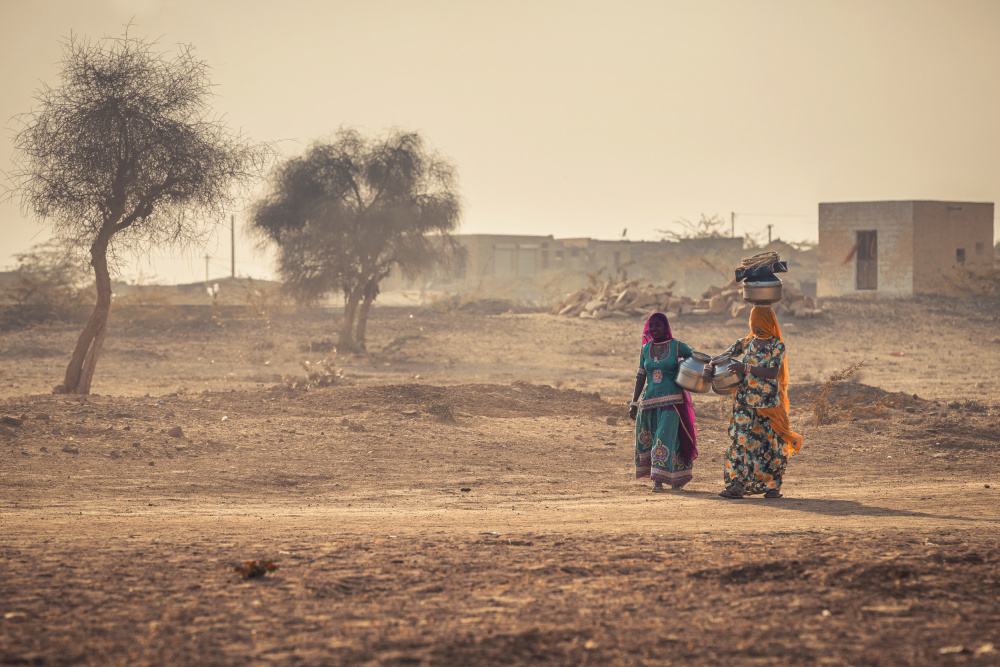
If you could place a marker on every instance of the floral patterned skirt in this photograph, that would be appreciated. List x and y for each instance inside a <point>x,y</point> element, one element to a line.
<point>657,448</point>
<point>756,456</point>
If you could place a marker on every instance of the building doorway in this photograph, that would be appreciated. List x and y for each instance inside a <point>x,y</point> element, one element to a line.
<point>867,259</point>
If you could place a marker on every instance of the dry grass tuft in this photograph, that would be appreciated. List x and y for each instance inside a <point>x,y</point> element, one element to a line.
<point>253,569</point>
<point>323,373</point>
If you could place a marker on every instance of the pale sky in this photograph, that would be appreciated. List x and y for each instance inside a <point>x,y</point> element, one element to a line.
<point>583,117</point>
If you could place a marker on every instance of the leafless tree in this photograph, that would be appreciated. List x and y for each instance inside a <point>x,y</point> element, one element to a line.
<point>124,155</point>
<point>713,227</point>
<point>346,212</point>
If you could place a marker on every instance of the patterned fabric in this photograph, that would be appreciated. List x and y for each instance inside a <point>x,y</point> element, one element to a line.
<point>660,401</point>
<point>758,392</point>
<point>756,456</point>
<point>657,447</point>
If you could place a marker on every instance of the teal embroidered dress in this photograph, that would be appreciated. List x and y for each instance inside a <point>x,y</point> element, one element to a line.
<point>657,450</point>
<point>756,456</point>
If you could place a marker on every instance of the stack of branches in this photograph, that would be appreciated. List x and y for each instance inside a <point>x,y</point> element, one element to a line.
<point>625,298</point>
<point>761,259</point>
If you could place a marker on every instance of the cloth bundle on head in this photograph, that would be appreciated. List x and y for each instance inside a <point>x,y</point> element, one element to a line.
<point>764,319</point>
<point>687,438</point>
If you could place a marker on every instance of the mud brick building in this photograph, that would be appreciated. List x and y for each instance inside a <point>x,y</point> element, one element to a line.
<point>900,248</point>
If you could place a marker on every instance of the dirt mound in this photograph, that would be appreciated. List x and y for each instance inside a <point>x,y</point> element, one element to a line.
<point>520,399</point>
<point>850,393</point>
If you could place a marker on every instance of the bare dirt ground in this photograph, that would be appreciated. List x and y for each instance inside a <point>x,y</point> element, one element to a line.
<point>470,499</point>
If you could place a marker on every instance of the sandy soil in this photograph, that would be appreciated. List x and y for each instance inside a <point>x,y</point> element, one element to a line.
<point>470,498</point>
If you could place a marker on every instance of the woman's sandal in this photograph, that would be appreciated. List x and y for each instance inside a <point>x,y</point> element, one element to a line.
<point>659,489</point>
<point>735,492</point>
<point>773,493</point>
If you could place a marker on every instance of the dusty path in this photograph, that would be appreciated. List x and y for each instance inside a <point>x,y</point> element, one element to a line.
<point>470,517</point>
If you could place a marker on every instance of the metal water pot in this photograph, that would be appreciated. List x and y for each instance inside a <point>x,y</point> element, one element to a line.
<point>726,378</point>
<point>690,374</point>
<point>762,292</point>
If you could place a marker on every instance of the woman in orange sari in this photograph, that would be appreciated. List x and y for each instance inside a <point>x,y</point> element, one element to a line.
<point>761,437</point>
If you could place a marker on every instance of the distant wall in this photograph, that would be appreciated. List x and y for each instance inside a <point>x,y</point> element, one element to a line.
<point>948,237</point>
<point>542,267</point>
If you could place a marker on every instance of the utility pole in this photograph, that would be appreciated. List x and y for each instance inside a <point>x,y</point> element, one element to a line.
<point>732,222</point>
<point>207,257</point>
<point>232,244</point>
<point>769,234</point>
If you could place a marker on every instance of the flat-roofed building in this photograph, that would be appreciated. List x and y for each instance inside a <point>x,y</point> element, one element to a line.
<point>900,248</point>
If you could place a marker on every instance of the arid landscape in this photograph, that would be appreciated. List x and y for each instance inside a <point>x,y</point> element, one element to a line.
<point>464,494</point>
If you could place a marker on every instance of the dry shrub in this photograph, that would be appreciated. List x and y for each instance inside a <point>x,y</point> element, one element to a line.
<point>826,412</point>
<point>253,569</point>
<point>48,284</point>
<point>323,373</point>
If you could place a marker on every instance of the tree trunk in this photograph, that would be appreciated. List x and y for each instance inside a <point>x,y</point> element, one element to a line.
<point>371,291</point>
<point>346,342</point>
<point>80,371</point>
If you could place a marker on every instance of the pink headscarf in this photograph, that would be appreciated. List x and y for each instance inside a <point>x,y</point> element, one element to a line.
<point>647,337</point>
<point>688,434</point>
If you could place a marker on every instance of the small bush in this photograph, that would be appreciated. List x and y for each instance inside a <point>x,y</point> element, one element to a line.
<point>252,569</point>
<point>825,412</point>
<point>49,284</point>
<point>323,373</point>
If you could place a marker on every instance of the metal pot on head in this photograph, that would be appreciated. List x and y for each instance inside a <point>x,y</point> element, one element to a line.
<point>690,374</point>
<point>762,292</point>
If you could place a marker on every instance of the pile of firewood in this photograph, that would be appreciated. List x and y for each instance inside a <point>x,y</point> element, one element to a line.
<point>631,299</point>
<point>623,299</point>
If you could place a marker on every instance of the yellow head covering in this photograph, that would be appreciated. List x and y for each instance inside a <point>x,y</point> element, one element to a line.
<point>763,319</point>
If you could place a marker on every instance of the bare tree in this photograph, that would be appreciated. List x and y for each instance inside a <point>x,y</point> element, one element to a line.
<point>346,212</point>
<point>124,155</point>
<point>706,228</point>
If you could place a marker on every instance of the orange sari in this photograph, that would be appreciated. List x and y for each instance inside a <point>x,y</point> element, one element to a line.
<point>763,318</point>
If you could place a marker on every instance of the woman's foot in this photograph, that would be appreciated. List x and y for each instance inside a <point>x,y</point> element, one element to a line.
<point>658,487</point>
<point>735,491</point>
<point>773,493</point>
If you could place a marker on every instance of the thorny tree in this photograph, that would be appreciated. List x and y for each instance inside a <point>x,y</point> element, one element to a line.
<point>123,155</point>
<point>346,212</point>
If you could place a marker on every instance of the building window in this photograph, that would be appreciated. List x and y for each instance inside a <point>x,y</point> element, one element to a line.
<point>960,255</point>
<point>979,247</point>
<point>867,260</point>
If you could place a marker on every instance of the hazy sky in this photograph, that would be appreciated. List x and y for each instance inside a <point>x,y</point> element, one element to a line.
<point>584,117</point>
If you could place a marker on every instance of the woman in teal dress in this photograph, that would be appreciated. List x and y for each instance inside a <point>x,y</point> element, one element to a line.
<point>665,435</point>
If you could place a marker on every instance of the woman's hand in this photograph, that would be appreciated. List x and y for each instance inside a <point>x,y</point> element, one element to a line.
<point>708,372</point>
<point>633,410</point>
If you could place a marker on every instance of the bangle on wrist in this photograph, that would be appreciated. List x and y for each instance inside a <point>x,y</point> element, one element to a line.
<point>633,404</point>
